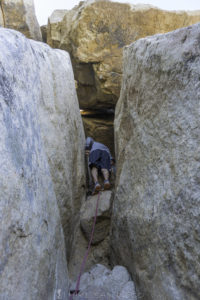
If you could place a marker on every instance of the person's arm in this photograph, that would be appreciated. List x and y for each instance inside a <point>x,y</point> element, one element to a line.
<point>87,152</point>
<point>112,161</point>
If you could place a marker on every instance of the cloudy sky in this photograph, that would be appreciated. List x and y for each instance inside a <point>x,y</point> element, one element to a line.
<point>44,8</point>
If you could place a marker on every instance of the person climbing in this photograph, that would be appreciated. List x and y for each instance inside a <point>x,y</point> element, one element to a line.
<point>101,160</point>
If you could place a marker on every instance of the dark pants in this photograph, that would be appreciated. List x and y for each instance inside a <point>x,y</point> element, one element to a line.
<point>99,159</point>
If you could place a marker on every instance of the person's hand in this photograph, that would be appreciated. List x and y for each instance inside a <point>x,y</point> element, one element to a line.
<point>87,152</point>
<point>112,162</point>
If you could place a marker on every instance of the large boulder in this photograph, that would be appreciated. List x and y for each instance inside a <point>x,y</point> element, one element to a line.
<point>62,132</point>
<point>41,157</point>
<point>33,262</point>
<point>20,15</point>
<point>155,224</point>
<point>95,32</point>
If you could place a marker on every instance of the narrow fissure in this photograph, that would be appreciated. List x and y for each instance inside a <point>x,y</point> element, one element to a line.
<point>99,275</point>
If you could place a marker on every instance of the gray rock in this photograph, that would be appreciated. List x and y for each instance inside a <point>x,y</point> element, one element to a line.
<point>96,272</point>
<point>87,215</point>
<point>101,283</point>
<point>128,292</point>
<point>155,224</point>
<point>39,118</point>
<point>115,282</point>
<point>62,133</point>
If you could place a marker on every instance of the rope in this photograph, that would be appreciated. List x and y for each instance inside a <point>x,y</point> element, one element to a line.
<point>87,252</point>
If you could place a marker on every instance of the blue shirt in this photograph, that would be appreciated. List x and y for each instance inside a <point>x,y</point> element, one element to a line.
<point>99,146</point>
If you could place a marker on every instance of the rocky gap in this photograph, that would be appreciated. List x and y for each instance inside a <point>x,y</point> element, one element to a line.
<point>99,125</point>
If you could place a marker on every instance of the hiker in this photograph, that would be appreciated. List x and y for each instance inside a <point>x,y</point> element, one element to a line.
<point>100,159</point>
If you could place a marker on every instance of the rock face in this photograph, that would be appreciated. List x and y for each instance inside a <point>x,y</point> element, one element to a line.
<point>101,283</point>
<point>41,137</point>
<point>20,15</point>
<point>95,32</point>
<point>62,133</point>
<point>155,226</point>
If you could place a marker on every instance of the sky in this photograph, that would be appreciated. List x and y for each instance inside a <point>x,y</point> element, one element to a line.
<point>44,8</point>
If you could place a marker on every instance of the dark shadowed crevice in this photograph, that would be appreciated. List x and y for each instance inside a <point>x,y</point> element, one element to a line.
<point>99,125</point>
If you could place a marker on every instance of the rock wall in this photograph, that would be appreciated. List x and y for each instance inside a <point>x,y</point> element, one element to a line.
<point>155,225</point>
<point>41,156</point>
<point>62,133</point>
<point>95,32</point>
<point>20,15</point>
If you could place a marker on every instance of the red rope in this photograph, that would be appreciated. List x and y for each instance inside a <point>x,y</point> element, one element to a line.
<point>87,252</point>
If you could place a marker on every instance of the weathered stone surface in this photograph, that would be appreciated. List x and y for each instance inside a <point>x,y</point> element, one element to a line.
<point>54,27</point>
<point>62,132</point>
<point>20,15</point>
<point>155,226</point>
<point>87,215</point>
<point>32,261</point>
<point>101,283</point>
<point>95,32</point>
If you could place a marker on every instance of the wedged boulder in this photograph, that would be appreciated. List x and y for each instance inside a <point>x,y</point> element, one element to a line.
<point>100,248</point>
<point>155,224</point>
<point>33,256</point>
<point>20,15</point>
<point>95,32</point>
<point>102,283</point>
<point>87,215</point>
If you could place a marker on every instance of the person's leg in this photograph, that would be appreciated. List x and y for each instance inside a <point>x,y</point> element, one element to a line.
<point>105,173</point>
<point>97,186</point>
<point>94,173</point>
<point>105,167</point>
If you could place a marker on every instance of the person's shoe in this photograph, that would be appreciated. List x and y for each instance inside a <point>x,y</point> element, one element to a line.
<point>106,184</point>
<point>97,188</point>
